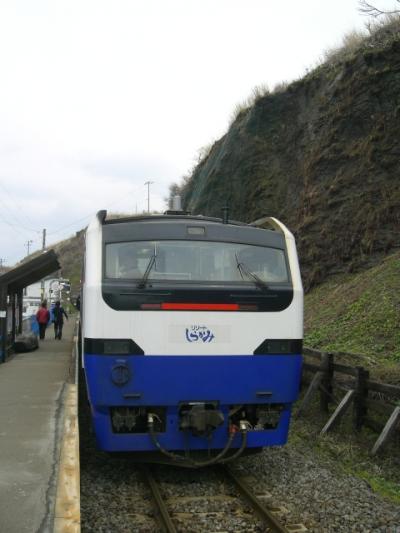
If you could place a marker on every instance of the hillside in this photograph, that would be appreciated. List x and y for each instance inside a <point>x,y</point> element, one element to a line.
<point>321,155</point>
<point>70,254</point>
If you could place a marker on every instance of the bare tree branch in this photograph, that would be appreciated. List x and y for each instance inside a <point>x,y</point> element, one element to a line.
<point>370,10</point>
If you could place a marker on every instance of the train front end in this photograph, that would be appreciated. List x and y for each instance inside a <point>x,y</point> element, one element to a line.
<point>191,334</point>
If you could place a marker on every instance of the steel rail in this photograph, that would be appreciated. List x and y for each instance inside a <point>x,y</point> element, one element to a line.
<point>263,512</point>
<point>158,500</point>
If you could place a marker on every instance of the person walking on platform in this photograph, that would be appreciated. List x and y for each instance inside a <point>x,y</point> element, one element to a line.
<point>42,317</point>
<point>58,313</point>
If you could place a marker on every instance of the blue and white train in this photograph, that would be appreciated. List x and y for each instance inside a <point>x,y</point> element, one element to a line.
<point>191,334</point>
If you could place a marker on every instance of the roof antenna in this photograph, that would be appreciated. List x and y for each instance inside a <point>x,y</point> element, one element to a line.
<point>176,202</point>
<point>225,214</point>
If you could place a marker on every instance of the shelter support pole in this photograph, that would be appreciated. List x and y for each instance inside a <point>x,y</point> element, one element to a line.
<point>20,303</point>
<point>13,318</point>
<point>3,323</point>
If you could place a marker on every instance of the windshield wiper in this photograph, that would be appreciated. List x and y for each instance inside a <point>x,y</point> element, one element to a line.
<point>151,263</point>
<point>243,268</point>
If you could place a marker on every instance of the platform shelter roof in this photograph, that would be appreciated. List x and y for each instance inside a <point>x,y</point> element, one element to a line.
<point>12,284</point>
<point>30,272</point>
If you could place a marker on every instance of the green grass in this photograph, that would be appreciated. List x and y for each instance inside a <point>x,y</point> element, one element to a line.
<point>379,484</point>
<point>358,313</point>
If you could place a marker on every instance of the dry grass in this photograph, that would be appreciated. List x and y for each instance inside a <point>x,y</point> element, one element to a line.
<point>378,33</point>
<point>350,44</point>
<point>280,87</point>
<point>258,92</point>
<point>387,26</point>
<point>204,152</point>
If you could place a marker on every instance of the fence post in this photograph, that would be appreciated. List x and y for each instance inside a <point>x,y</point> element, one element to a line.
<point>315,383</point>
<point>339,412</point>
<point>360,406</point>
<point>387,431</point>
<point>326,383</point>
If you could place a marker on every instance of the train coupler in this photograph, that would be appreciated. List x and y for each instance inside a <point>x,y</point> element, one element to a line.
<point>201,419</point>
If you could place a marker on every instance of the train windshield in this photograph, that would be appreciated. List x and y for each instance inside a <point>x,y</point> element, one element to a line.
<point>195,261</point>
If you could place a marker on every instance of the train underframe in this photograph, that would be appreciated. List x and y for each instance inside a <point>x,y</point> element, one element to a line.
<point>190,403</point>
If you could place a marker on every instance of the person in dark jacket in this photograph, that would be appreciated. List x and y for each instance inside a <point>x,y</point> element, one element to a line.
<point>58,314</point>
<point>42,317</point>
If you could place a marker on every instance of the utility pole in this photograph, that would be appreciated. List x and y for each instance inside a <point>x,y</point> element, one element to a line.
<point>44,240</point>
<point>1,263</point>
<point>28,245</point>
<point>148,183</point>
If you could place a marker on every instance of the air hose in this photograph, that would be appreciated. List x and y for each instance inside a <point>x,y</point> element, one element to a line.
<point>171,455</point>
<point>239,451</point>
<point>191,463</point>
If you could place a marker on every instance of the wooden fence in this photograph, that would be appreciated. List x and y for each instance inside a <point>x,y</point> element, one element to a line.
<point>365,395</point>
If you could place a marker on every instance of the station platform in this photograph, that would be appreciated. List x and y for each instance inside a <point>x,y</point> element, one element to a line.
<point>32,395</point>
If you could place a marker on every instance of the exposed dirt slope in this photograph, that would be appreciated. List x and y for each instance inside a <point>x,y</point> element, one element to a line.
<point>323,156</point>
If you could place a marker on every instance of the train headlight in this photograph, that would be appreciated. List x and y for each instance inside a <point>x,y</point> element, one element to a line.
<point>120,347</point>
<point>280,347</point>
<point>120,374</point>
<point>116,346</point>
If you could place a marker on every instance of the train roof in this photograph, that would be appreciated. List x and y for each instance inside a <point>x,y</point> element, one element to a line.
<point>181,226</point>
<point>170,216</point>
<point>182,216</point>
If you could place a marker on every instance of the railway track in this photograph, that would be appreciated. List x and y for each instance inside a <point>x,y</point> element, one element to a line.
<point>242,511</point>
<point>120,495</point>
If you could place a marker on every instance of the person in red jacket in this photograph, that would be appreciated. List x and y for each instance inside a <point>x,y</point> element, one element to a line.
<point>43,317</point>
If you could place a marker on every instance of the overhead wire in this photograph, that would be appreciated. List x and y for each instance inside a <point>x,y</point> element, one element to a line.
<point>19,208</point>
<point>59,230</point>
<point>12,259</point>
<point>17,222</point>
<point>18,226</point>
<point>92,214</point>
<point>9,218</point>
<point>13,226</point>
<point>19,229</point>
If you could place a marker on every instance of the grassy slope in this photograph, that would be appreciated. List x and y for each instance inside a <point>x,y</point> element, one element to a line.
<point>356,313</point>
<point>359,314</point>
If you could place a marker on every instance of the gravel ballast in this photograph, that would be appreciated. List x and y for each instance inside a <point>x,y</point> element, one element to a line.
<point>319,496</point>
<point>311,486</point>
<point>314,492</point>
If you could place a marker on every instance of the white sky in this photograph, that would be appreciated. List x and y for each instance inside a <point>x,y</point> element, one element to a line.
<point>99,96</point>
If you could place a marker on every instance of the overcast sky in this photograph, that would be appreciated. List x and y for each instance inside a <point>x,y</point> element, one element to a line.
<point>99,96</point>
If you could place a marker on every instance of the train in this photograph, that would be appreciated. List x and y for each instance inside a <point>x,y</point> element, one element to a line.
<point>191,335</point>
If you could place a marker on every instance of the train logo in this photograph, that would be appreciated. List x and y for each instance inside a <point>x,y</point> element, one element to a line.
<point>199,333</point>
